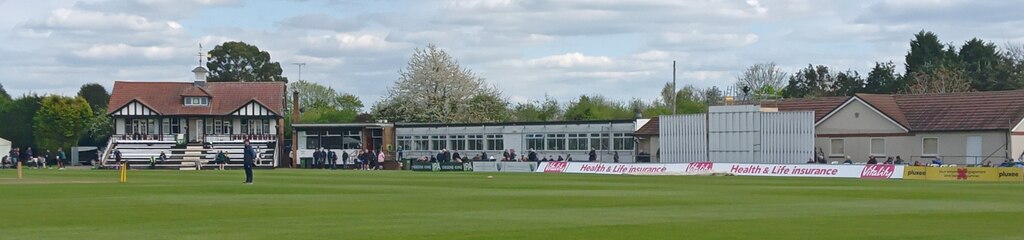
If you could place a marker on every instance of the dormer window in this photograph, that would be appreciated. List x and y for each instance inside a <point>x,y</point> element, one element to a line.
<point>197,101</point>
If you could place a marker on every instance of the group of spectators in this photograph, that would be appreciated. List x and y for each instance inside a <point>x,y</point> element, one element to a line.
<point>509,155</point>
<point>364,159</point>
<point>30,158</point>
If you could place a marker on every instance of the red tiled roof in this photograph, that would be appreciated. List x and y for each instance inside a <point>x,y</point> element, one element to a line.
<point>887,105</point>
<point>167,98</point>
<point>968,111</point>
<point>650,128</point>
<point>992,110</point>
<point>821,106</point>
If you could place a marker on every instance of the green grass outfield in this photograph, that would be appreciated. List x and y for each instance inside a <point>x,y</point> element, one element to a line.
<point>319,204</point>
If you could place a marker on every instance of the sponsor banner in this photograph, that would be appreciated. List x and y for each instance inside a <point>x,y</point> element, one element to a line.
<point>485,166</point>
<point>517,167</point>
<point>915,172</point>
<point>880,171</point>
<point>443,167</point>
<point>1011,174</point>
<point>504,166</point>
<point>965,174</point>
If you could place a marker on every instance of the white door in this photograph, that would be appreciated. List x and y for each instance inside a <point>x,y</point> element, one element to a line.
<point>974,155</point>
<point>197,130</point>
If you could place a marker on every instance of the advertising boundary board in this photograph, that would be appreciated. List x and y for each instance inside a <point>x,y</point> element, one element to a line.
<point>879,171</point>
<point>979,174</point>
<point>504,166</point>
<point>441,167</point>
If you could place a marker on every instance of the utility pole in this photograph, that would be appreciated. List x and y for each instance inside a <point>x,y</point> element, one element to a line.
<point>301,64</point>
<point>674,87</point>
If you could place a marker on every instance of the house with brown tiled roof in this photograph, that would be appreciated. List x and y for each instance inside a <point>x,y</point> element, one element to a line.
<point>203,111</point>
<point>151,117</point>
<point>958,128</point>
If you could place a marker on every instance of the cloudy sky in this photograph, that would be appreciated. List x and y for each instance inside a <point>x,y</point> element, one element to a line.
<point>529,48</point>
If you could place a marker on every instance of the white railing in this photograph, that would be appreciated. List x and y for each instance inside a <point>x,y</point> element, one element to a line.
<point>106,151</point>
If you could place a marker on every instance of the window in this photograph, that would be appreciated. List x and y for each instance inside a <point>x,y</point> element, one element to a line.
<point>352,140</point>
<point>421,143</point>
<point>140,126</point>
<point>404,143</point>
<point>228,127</point>
<point>218,124</point>
<point>495,142</point>
<point>556,142</point>
<point>878,147</point>
<point>623,141</point>
<point>458,142</point>
<point>535,141</point>
<point>312,139</point>
<point>197,101</point>
<point>475,142</point>
<point>209,126</point>
<point>438,142</point>
<point>599,141</point>
<point>838,148</point>
<point>930,147</point>
<point>255,126</point>
<point>578,142</point>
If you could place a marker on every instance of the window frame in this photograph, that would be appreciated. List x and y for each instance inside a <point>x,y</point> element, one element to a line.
<point>831,147</point>
<point>924,147</point>
<point>871,148</point>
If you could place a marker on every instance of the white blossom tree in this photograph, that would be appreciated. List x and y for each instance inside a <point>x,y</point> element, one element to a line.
<point>434,88</point>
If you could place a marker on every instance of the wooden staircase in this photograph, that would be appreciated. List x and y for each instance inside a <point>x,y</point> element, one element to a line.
<point>193,154</point>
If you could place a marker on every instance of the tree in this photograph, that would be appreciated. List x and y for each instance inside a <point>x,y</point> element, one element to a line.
<point>984,66</point>
<point>813,81</point>
<point>940,79</point>
<point>96,95</point>
<point>435,88</point>
<point>97,130</point>
<point>17,120</point>
<point>762,78</point>
<point>847,84</point>
<point>926,49</point>
<point>241,62</point>
<point>4,97</point>
<point>533,111</point>
<point>321,104</point>
<point>61,121</point>
<point>596,108</point>
<point>884,79</point>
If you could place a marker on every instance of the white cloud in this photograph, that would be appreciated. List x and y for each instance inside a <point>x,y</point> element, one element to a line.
<point>122,51</point>
<point>570,60</point>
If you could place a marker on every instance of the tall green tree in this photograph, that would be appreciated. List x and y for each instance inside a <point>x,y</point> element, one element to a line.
<point>322,104</point>
<point>61,121</point>
<point>884,79</point>
<point>241,62</point>
<point>596,107</point>
<point>4,97</point>
<point>847,84</point>
<point>435,88</point>
<point>96,95</point>
<point>925,49</point>
<point>533,111</point>
<point>941,78</point>
<point>983,65</point>
<point>17,120</point>
<point>812,81</point>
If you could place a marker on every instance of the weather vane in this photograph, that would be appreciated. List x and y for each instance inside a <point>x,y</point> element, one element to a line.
<point>200,54</point>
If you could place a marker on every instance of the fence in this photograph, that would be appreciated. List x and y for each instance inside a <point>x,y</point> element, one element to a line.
<point>737,134</point>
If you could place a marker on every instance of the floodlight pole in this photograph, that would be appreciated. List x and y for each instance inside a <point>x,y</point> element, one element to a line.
<point>674,87</point>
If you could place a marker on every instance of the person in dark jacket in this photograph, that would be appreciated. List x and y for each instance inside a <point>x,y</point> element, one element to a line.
<point>117,158</point>
<point>332,158</point>
<point>616,157</point>
<point>248,156</point>
<point>532,156</point>
<point>316,158</point>
<point>483,156</point>
<point>344,159</point>
<point>593,155</point>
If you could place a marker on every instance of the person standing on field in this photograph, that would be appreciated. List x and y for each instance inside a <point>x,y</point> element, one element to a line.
<point>249,155</point>
<point>61,158</point>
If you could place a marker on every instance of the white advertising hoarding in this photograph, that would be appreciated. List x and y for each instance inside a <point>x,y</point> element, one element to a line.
<point>739,169</point>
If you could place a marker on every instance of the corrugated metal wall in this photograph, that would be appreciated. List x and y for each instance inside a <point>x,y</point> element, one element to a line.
<point>687,136</point>
<point>737,134</point>
<point>787,137</point>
